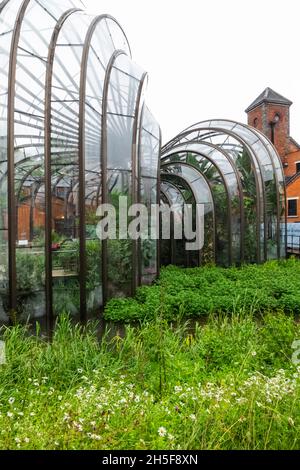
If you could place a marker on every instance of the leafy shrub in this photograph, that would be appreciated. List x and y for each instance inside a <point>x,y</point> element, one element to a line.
<point>30,271</point>
<point>130,308</point>
<point>192,293</point>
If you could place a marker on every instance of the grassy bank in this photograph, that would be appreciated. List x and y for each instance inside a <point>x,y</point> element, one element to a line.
<point>230,384</point>
<point>194,293</point>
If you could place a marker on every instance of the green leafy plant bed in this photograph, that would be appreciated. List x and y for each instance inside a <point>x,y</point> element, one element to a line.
<point>190,293</point>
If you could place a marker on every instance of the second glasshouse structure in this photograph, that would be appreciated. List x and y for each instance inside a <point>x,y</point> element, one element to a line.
<point>75,133</point>
<point>236,173</point>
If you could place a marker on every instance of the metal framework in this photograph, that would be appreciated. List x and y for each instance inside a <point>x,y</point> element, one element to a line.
<point>246,180</point>
<point>75,132</point>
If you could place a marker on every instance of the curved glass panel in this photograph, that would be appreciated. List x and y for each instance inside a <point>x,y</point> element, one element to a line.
<point>123,103</point>
<point>178,192</point>
<point>221,198</point>
<point>7,20</point>
<point>268,171</point>
<point>65,107</point>
<point>148,169</point>
<point>203,196</point>
<point>217,165</point>
<point>165,245</point>
<point>251,180</point>
<point>101,48</point>
<point>51,126</point>
<point>36,30</point>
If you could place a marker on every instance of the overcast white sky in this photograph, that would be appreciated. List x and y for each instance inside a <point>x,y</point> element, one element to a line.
<point>211,58</point>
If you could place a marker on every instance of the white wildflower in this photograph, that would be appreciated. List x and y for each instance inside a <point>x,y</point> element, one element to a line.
<point>78,426</point>
<point>162,432</point>
<point>241,400</point>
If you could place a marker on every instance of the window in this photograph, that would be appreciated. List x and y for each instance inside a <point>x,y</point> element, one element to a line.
<point>297,167</point>
<point>255,122</point>
<point>292,208</point>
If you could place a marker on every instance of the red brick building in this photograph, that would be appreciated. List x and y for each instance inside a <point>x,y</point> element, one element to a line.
<point>270,113</point>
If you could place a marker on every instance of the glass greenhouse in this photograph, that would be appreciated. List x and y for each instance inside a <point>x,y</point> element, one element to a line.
<point>235,172</point>
<point>75,133</point>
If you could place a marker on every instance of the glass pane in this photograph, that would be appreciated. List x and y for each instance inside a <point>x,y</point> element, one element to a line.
<point>122,113</point>
<point>65,163</point>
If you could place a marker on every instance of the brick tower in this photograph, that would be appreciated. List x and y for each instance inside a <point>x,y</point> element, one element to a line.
<point>270,113</point>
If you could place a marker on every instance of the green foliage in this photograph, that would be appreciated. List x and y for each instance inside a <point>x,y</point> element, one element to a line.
<point>67,257</point>
<point>66,296</point>
<point>31,275</point>
<point>120,261</point>
<point>228,385</point>
<point>56,237</point>
<point>30,271</point>
<point>148,252</point>
<point>191,293</point>
<point>132,310</point>
<point>93,261</point>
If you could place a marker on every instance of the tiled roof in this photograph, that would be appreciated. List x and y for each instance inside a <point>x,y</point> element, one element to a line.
<point>269,96</point>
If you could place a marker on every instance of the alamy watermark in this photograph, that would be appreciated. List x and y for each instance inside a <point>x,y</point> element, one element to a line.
<point>296,354</point>
<point>2,353</point>
<point>137,222</point>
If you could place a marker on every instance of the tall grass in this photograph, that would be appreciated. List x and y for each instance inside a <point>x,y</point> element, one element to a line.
<point>228,384</point>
